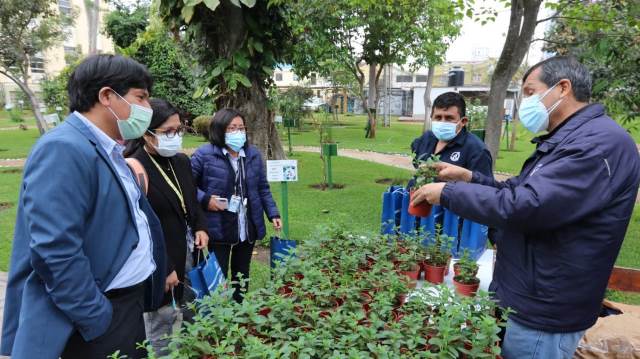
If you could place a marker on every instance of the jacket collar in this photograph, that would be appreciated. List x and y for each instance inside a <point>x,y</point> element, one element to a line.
<point>549,141</point>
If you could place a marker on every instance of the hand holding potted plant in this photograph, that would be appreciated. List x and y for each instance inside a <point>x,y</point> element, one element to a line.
<point>425,174</point>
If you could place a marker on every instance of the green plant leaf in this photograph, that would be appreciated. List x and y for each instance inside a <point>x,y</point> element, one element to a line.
<point>187,13</point>
<point>236,2</point>
<point>199,92</point>
<point>212,4</point>
<point>192,2</point>
<point>243,80</point>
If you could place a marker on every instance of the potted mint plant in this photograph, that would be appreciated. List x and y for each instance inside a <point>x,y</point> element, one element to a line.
<point>424,174</point>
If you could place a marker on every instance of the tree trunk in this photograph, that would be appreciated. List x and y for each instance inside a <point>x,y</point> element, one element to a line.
<point>261,128</point>
<point>33,100</point>
<point>427,99</point>
<point>522,24</point>
<point>92,8</point>
<point>371,102</point>
<point>514,124</point>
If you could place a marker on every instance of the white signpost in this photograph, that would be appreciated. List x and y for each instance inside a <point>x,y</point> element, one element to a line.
<point>283,171</point>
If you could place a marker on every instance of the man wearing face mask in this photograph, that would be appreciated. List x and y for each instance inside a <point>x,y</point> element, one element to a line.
<point>450,139</point>
<point>88,251</point>
<point>562,220</point>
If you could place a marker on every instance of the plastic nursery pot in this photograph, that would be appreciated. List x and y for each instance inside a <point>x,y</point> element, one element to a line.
<point>467,290</point>
<point>434,274</point>
<point>414,273</point>
<point>421,210</point>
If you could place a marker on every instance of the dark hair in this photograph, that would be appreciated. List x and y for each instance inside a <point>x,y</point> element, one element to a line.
<point>98,71</point>
<point>162,110</point>
<point>451,99</point>
<point>219,123</point>
<point>557,68</point>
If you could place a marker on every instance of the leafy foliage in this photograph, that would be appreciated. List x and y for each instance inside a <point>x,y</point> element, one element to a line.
<point>605,36</point>
<point>477,114</point>
<point>54,89</point>
<point>425,172</point>
<point>329,302</point>
<point>290,102</point>
<point>172,73</point>
<point>344,34</point>
<point>125,23</point>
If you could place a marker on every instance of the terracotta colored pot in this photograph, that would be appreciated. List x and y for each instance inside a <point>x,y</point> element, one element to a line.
<point>434,274</point>
<point>414,273</point>
<point>421,210</point>
<point>468,290</point>
<point>456,270</point>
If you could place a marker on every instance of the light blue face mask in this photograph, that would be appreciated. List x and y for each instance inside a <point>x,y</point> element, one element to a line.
<point>235,140</point>
<point>533,114</point>
<point>444,131</point>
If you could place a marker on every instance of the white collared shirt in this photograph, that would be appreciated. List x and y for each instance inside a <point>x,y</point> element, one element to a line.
<point>242,211</point>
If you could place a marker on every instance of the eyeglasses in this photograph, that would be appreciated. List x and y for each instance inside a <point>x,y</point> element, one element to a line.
<point>236,128</point>
<point>172,132</point>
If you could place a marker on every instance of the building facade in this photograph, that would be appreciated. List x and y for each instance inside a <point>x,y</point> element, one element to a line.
<point>53,60</point>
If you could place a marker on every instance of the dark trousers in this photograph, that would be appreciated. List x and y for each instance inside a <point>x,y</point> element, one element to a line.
<point>124,332</point>
<point>240,257</point>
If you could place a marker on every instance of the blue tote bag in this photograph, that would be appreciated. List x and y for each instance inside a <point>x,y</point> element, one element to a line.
<point>206,276</point>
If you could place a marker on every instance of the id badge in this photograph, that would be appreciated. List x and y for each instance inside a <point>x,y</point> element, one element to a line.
<point>234,204</point>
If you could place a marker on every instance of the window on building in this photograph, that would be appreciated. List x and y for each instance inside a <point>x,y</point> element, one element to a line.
<point>278,76</point>
<point>65,7</point>
<point>444,79</point>
<point>37,64</point>
<point>313,79</point>
<point>421,78</point>
<point>404,78</point>
<point>477,78</point>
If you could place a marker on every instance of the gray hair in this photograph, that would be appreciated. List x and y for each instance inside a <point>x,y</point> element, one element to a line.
<point>557,68</point>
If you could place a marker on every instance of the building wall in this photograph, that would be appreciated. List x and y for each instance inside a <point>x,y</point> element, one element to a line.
<point>53,59</point>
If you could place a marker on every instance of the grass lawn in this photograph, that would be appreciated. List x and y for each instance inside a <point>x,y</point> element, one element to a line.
<point>27,116</point>
<point>17,143</point>
<point>10,179</point>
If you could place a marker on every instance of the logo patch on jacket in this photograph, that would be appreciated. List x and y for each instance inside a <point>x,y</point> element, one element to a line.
<point>535,169</point>
<point>455,156</point>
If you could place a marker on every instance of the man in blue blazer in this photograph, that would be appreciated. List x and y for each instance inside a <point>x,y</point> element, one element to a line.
<point>88,251</point>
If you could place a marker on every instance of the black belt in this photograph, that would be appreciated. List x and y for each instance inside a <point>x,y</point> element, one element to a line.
<point>121,292</point>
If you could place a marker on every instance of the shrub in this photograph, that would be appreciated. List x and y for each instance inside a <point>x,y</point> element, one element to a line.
<point>201,125</point>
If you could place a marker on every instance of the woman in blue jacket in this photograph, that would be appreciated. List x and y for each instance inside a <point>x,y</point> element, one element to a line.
<point>233,189</point>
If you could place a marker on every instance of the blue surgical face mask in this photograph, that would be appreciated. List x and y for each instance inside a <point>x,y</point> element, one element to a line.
<point>444,131</point>
<point>533,113</point>
<point>235,140</point>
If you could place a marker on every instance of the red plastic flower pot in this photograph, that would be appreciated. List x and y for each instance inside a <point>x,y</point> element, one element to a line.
<point>421,210</point>
<point>413,273</point>
<point>434,274</point>
<point>467,290</point>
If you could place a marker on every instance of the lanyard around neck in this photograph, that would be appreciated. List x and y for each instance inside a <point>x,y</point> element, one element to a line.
<point>178,191</point>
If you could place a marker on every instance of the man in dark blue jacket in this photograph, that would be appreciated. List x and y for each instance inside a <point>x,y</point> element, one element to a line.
<point>562,220</point>
<point>449,138</point>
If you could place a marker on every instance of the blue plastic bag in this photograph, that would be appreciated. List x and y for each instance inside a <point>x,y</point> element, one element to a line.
<point>206,276</point>
<point>280,248</point>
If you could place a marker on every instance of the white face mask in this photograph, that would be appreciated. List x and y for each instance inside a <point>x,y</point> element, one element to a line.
<point>167,147</point>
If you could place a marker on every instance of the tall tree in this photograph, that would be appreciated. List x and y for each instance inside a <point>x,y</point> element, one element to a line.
<point>522,25</point>
<point>238,44</point>
<point>28,29</point>
<point>605,36</point>
<point>427,99</point>
<point>372,32</point>
<point>124,23</point>
<point>92,9</point>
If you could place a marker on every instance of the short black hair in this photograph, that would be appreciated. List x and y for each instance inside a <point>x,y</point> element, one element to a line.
<point>557,68</point>
<point>162,110</point>
<point>95,72</point>
<point>451,99</point>
<point>220,122</point>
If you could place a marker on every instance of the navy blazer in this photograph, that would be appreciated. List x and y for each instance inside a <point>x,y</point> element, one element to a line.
<point>75,229</point>
<point>214,175</point>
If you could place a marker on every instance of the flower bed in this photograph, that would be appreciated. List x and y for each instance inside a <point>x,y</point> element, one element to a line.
<point>343,296</point>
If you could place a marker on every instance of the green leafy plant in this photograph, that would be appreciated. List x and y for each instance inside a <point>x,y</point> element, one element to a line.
<point>439,251</point>
<point>425,170</point>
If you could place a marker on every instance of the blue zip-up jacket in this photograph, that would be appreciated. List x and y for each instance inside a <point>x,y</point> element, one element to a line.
<point>561,221</point>
<point>214,175</point>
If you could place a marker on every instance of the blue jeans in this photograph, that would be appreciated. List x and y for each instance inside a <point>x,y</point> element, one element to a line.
<point>522,342</point>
